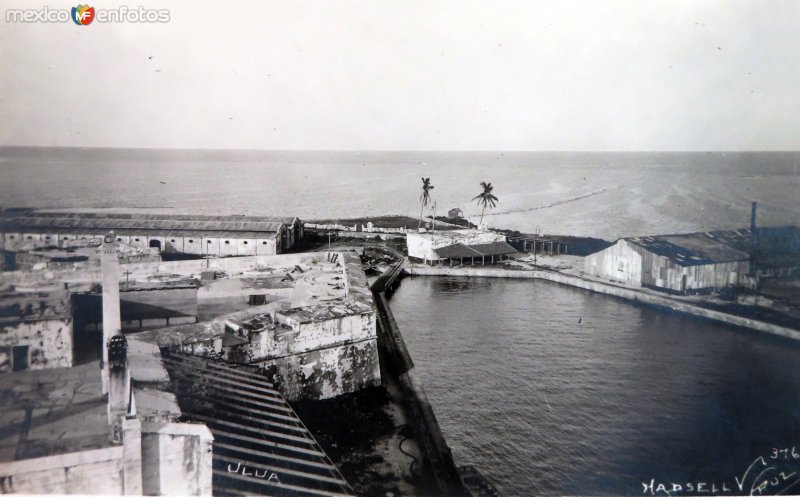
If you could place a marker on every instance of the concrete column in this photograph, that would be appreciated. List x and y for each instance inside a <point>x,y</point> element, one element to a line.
<point>111,315</point>
<point>119,393</point>
<point>132,456</point>
<point>176,459</point>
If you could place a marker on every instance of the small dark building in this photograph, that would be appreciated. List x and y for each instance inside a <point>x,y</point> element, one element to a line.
<point>455,213</point>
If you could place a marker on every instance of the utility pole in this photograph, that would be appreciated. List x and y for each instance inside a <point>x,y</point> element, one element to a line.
<point>753,239</point>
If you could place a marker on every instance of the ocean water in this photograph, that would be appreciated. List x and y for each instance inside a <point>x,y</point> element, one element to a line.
<point>607,195</point>
<point>551,390</point>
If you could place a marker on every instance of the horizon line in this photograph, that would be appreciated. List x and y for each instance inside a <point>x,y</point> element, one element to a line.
<point>354,150</point>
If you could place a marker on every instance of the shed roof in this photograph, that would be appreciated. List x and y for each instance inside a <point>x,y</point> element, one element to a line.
<point>691,249</point>
<point>167,233</point>
<point>457,250</point>
<point>38,221</point>
<point>494,248</point>
<point>478,250</point>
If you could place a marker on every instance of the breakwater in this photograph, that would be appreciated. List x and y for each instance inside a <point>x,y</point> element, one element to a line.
<point>394,355</point>
<point>644,297</point>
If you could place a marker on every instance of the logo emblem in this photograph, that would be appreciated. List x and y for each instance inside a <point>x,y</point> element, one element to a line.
<point>83,15</point>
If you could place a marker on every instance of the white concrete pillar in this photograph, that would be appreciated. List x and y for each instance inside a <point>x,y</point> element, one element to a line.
<point>176,459</point>
<point>111,314</point>
<point>131,456</point>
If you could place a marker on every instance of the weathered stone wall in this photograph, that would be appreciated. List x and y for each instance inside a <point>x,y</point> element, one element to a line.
<point>321,334</point>
<point>50,342</point>
<point>98,471</point>
<point>325,373</point>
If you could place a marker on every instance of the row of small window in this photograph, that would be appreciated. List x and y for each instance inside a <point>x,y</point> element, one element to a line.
<point>227,242</point>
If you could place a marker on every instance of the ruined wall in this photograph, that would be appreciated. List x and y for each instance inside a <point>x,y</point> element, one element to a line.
<point>49,342</point>
<point>93,472</point>
<point>320,359</point>
<point>325,373</point>
<point>141,270</point>
<point>321,334</point>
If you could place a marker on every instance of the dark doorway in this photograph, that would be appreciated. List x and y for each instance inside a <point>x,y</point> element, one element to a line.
<point>9,261</point>
<point>155,244</point>
<point>87,336</point>
<point>20,357</point>
<point>257,300</point>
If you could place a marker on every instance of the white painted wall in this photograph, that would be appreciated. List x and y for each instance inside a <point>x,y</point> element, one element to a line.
<point>188,244</point>
<point>422,245</point>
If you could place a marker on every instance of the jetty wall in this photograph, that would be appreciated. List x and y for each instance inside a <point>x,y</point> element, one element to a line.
<point>616,291</point>
<point>394,356</point>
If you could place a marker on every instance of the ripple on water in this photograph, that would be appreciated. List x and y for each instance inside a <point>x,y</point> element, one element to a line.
<point>545,404</point>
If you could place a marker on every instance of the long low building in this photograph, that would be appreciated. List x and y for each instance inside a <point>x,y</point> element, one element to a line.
<point>698,262</point>
<point>26,229</point>
<point>459,246</point>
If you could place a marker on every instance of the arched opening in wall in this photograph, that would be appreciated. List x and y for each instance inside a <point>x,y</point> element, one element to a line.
<point>155,244</point>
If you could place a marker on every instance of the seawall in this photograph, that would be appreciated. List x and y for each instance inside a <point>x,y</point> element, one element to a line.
<point>395,356</point>
<point>616,291</point>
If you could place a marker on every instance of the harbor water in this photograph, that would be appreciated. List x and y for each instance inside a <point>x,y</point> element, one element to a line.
<point>552,390</point>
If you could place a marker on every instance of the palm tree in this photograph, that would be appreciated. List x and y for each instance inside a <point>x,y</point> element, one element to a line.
<point>424,198</point>
<point>486,198</point>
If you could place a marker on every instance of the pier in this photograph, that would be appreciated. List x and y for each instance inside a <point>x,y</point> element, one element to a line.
<point>537,245</point>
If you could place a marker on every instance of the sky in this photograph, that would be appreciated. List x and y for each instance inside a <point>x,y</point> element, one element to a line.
<point>409,75</point>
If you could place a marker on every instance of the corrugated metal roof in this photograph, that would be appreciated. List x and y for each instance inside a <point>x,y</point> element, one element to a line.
<point>152,216</point>
<point>459,250</point>
<point>11,221</point>
<point>146,232</point>
<point>494,248</point>
<point>456,250</point>
<point>691,249</point>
